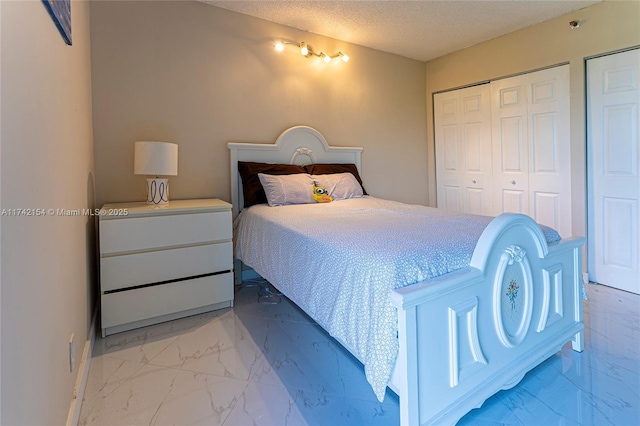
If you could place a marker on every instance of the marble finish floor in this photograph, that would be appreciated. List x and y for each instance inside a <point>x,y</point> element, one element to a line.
<point>260,364</point>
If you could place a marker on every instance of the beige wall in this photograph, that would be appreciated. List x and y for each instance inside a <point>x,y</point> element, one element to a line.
<point>606,27</point>
<point>47,162</point>
<point>202,76</point>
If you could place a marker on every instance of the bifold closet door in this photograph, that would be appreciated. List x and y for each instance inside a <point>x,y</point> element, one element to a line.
<point>531,147</point>
<point>463,150</point>
<point>613,151</point>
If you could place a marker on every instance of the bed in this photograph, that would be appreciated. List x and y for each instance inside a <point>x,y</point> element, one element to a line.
<point>444,338</point>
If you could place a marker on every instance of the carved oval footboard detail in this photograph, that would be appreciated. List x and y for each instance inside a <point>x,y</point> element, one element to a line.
<point>512,296</point>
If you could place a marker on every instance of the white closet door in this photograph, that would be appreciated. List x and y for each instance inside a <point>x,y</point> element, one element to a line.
<point>448,167</point>
<point>549,149</point>
<point>463,150</point>
<point>531,147</point>
<point>509,114</point>
<point>614,179</point>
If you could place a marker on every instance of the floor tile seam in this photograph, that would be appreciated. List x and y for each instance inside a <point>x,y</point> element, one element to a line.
<point>161,403</point>
<point>605,351</point>
<point>608,291</point>
<point>604,357</point>
<point>570,380</point>
<point>186,370</point>
<point>594,404</point>
<point>619,306</point>
<point>598,332</point>
<point>520,388</point>
<point>297,389</point>
<point>594,399</point>
<point>607,360</point>
<point>624,320</point>
<point>620,381</point>
<point>198,373</point>
<point>171,341</point>
<point>240,397</point>
<point>120,382</point>
<point>141,364</point>
<point>489,418</point>
<point>271,317</point>
<point>613,306</point>
<point>235,402</point>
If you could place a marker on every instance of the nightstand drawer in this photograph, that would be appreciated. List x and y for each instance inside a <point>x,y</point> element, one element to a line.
<point>145,233</point>
<point>144,303</point>
<point>117,272</point>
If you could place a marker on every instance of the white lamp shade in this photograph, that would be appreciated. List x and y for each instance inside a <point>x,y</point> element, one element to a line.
<point>155,158</point>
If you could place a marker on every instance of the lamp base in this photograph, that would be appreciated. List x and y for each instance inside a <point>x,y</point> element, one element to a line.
<point>157,191</point>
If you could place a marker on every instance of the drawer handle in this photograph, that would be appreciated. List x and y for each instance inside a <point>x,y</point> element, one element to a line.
<point>474,181</point>
<point>513,182</point>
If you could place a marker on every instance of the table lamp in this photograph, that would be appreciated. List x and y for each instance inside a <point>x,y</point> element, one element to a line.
<point>156,158</point>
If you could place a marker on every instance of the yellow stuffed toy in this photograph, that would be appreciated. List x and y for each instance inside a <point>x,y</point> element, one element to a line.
<point>321,195</point>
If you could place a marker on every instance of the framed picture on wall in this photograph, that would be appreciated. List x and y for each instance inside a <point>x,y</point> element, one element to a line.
<point>60,11</point>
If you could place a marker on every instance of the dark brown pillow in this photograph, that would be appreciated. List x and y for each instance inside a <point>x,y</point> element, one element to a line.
<point>329,169</point>
<point>252,188</point>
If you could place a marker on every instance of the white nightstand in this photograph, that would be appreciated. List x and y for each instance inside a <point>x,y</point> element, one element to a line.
<point>162,263</point>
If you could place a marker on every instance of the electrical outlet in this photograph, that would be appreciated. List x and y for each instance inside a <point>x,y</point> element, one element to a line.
<point>72,354</point>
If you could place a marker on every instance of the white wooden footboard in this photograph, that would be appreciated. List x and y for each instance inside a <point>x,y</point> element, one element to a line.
<point>466,335</point>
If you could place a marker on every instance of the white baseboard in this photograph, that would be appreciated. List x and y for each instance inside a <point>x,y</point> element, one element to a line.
<point>585,277</point>
<point>83,374</point>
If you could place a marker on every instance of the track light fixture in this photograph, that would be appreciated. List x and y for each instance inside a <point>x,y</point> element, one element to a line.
<point>305,50</point>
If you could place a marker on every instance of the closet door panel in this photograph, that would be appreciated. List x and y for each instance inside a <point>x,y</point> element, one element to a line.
<point>474,176</point>
<point>450,176</point>
<point>550,156</point>
<point>512,201</point>
<point>476,183</point>
<point>450,149</point>
<point>513,145</point>
<point>544,143</point>
<point>546,208</point>
<point>477,180</point>
<point>473,147</point>
<point>451,198</point>
<point>448,163</point>
<point>546,183</point>
<point>463,150</point>
<point>476,142</point>
<point>511,93</point>
<point>510,145</point>
<point>476,201</point>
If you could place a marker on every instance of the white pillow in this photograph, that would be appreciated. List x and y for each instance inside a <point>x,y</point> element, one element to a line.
<point>287,189</point>
<point>340,186</point>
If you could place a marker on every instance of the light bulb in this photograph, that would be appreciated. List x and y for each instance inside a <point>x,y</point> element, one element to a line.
<point>343,56</point>
<point>304,50</point>
<point>325,57</point>
<point>279,46</point>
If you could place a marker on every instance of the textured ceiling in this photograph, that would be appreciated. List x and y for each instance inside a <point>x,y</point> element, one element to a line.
<point>423,29</point>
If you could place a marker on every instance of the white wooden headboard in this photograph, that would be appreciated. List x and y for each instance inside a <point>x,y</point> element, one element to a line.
<point>298,145</point>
